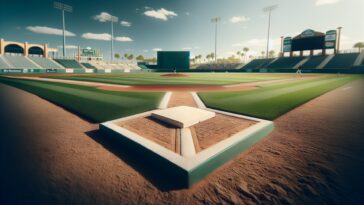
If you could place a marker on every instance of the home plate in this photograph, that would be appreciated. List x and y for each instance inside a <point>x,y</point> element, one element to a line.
<point>183,116</point>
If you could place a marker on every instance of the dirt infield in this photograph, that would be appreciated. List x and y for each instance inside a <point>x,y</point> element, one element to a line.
<point>154,130</point>
<point>166,88</point>
<point>175,75</point>
<point>216,129</point>
<point>314,156</point>
<point>181,98</point>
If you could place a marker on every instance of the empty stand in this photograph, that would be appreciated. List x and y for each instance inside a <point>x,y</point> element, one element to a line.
<point>88,65</point>
<point>342,61</point>
<point>257,63</point>
<point>3,63</point>
<point>69,63</point>
<point>46,63</point>
<point>20,62</point>
<point>313,62</point>
<point>285,62</point>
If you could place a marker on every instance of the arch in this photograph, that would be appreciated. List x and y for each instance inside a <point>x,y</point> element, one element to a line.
<point>13,48</point>
<point>35,50</point>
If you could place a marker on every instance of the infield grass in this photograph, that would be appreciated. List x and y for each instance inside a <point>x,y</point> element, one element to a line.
<point>157,79</point>
<point>91,103</point>
<point>271,101</point>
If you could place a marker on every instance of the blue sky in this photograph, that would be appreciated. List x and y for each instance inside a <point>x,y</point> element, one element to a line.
<point>145,26</point>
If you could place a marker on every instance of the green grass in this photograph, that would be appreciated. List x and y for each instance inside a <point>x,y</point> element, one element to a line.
<point>91,103</point>
<point>157,79</point>
<point>271,101</point>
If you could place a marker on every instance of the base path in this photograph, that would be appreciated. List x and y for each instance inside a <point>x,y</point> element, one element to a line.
<point>314,156</point>
<point>166,88</point>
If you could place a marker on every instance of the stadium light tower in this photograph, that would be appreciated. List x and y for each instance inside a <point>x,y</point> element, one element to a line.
<point>338,39</point>
<point>215,20</point>
<point>113,19</point>
<point>269,9</point>
<point>63,8</point>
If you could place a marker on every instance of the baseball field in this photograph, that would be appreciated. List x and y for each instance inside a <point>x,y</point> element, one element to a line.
<point>264,96</point>
<point>50,126</point>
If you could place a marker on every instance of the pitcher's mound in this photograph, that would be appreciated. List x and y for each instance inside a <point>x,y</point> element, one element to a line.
<point>175,75</point>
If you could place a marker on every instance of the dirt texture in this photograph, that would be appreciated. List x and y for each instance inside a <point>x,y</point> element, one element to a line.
<point>218,128</point>
<point>314,156</point>
<point>154,130</point>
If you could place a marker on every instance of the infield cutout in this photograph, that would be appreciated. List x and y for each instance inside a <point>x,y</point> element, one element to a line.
<point>187,142</point>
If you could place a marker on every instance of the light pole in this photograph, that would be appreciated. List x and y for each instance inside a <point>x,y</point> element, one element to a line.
<point>269,9</point>
<point>215,20</point>
<point>338,39</point>
<point>63,8</point>
<point>112,20</point>
<point>282,46</point>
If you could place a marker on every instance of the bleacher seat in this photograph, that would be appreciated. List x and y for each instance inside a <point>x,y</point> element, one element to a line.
<point>69,63</point>
<point>3,64</point>
<point>285,62</point>
<point>313,62</point>
<point>46,63</point>
<point>20,62</point>
<point>257,63</point>
<point>342,61</point>
<point>88,65</point>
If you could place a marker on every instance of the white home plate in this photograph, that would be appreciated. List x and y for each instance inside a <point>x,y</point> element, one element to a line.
<point>183,116</point>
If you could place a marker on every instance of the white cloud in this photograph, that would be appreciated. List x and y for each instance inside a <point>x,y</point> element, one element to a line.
<point>187,13</point>
<point>187,48</point>
<point>259,44</point>
<point>145,51</point>
<point>123,39</point>
<point>125,23</point>
<point>104,17</point>
<point>157,49</point>
<point>68,46</point>
<point>97,36</point>
<point>48,30</point>
<point>162,14</point>
<point>105,37</point>
<point>326,2</point>
<point>239,19</point>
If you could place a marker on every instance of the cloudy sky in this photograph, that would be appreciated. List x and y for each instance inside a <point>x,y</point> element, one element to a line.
<point>145,26</point>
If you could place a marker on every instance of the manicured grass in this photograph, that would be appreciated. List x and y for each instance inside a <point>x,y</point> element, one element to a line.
<point>88,102</point>
<point>271,101</point>
<point>157,79</point>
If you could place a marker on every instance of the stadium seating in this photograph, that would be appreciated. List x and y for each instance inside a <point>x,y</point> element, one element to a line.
<point>87,65</point>
<point>285,62</point>
<point>69,63</point>
<point>20,62</point>
<point>224,66</point>
<point>257,63</point>
<point>46,63</point>
<point>313,62</point>
<point>3,64</point>
<point>342,61</point>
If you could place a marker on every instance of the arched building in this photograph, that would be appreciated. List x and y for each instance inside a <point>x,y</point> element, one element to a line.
<point>25,48</point>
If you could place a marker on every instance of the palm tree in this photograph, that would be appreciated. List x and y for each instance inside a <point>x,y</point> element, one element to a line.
<point>139,58</point>
<point>130,57</point>
<point>246,49</point>
<point>271,53</point>
<point>126,56</point>
<point>242,55</point>
<point>117,56</point>
<point>359,46</point>
<point>262,53</point>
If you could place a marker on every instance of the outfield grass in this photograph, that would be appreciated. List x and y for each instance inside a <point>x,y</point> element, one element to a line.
<point>271,101</point>
<point>157,79</point>
<point>89,102</point>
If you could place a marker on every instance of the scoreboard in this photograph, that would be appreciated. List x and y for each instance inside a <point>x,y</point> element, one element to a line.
<point>179,60</point>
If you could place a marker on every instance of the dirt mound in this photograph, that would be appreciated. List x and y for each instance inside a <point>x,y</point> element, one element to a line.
<point>175,75</point>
